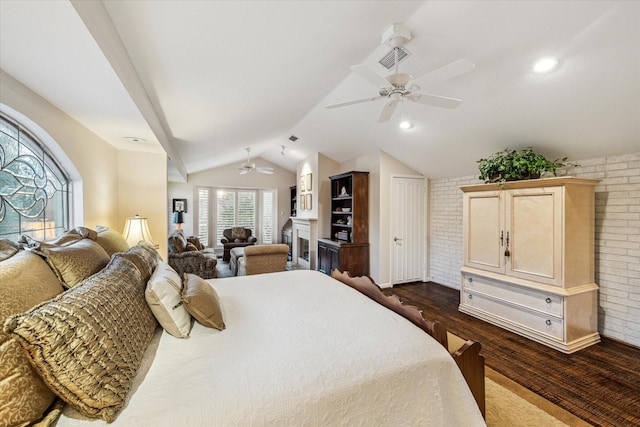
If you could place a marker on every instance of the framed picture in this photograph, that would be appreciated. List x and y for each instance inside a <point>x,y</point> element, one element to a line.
<point>302,184</point>
<point>180,205</point>
<point>307,203</point>
<point>301,203</point>
<point>308,182</point>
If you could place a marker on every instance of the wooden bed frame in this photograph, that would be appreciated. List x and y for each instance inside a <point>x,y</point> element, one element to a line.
<point>466,353</point>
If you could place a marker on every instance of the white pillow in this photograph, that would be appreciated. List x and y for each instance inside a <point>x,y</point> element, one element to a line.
<point>163,294</point>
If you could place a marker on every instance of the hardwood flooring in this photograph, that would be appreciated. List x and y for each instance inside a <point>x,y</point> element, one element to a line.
<point>600,384</point>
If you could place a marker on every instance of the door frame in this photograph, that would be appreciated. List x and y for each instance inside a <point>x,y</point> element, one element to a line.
<point>422,255</point>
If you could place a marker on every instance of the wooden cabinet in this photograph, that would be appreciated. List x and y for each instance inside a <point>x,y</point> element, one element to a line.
<point>294,200</point>
<point>347,248</point>
<point>529,259</point>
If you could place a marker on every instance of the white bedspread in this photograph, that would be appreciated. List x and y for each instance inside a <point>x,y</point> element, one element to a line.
<point>300,349</point>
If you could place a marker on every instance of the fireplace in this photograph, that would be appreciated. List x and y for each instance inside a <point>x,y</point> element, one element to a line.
<point>304,243</point>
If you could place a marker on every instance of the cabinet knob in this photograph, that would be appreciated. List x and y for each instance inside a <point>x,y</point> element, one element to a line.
<point>548,300</point>
<point>470,296</point>
<point>548,322</point>
<point>470,279</point>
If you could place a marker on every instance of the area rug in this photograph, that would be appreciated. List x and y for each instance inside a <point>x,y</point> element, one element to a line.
<point>509,404</point>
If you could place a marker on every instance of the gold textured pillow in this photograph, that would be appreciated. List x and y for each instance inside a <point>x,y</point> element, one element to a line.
<point>24,396</point>
<point>202,301</point>
<point>25,280</point>
<point>8,249</point>
<point>144,256</point>
<point>87,343</point>
<point>74,263</point>
<point>110,240</point>
<point>67,238</point>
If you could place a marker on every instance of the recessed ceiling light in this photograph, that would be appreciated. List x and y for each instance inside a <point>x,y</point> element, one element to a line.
<point>135,139</point>
<point>545,65</point>
<point>405,124</point>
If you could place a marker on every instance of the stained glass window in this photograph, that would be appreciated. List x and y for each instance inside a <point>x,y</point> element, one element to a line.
<point>34,191</point>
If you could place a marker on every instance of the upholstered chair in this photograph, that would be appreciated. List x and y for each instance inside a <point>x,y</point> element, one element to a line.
<point>187,255</point>
<point>236,237</point>
<point>259,259</point>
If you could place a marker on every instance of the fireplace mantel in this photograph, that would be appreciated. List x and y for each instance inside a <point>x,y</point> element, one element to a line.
<point>304,228</point>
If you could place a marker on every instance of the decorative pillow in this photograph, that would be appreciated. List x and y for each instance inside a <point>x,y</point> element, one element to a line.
<point>24,396</point>
<point>8,249</point>
<point>86,233</point>
<point>74,263</point>
<point>25,280</point>
<point>87,343</point>
<point>238,233</point>
<point>202,302</point>
<point>68,238</point>
<point>110,240</point>
<point>163,295</point>
<point>144,256</point>
<point>195,242</point>
<point>191,247</point>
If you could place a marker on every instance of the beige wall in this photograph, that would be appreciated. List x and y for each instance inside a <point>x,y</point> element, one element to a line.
<point>143,191</point>
<point>108,184</point>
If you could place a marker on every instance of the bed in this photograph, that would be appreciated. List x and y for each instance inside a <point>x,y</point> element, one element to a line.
<point>299,348</point>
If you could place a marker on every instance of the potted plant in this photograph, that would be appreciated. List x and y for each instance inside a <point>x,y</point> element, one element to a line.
<point>513,165</point>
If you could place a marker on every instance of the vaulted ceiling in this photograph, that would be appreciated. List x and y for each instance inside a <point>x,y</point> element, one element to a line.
<point>203,80</point>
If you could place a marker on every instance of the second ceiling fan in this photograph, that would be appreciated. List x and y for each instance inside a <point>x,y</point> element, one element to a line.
<point>249,166</point>
<point>400,86</point>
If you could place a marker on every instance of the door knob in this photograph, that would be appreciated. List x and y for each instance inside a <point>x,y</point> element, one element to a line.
<point>396,239</point>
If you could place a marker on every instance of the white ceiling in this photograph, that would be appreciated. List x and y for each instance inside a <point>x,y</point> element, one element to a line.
<point>205,79</point>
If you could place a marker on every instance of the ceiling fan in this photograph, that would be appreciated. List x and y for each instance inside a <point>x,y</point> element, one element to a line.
<point>400,86</point>
<point>249,166</point>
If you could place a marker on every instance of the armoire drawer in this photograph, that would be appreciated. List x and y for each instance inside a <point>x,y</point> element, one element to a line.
<point>536,300</point>
<point>547,325</point>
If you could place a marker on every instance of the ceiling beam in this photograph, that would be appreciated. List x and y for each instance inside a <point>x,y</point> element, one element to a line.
<point>98,21</point>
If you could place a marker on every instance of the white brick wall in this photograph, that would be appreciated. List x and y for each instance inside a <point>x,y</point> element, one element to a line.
<point>617,252</point>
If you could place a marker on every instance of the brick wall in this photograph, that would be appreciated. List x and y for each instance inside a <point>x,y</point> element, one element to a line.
<point>617,252</point>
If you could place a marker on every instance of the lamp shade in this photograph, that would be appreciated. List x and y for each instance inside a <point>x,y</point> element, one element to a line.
<point>178,217</point>
<point>137,229</point>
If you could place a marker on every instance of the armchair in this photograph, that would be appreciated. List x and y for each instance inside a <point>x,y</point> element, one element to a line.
<point>187,255</point>
<point>236,237</point>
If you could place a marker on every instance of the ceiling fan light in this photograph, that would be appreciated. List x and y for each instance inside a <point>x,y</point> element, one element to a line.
<point>406,124</point>
<point>545,65</point>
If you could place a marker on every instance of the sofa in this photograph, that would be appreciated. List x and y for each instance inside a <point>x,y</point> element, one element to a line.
<point>260,259</point>
<point>187,255</point>
<point>236,237</point>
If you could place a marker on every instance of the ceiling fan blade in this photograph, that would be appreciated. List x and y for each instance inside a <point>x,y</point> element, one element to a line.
<point>244,171</point>
<point>368,74</point>
<point>265,170</point>
<point>447,72</point>
<point>435,100</point>
<point>357,101</point>
<point>388,110</point>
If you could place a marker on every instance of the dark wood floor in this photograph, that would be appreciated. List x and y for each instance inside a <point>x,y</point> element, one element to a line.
<point>600,384</point>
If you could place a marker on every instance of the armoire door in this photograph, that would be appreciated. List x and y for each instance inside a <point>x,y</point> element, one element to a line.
<point>534,223</point>
<point>484,231</point>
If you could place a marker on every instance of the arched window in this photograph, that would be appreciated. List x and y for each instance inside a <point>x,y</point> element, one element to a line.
<point>35,191</point>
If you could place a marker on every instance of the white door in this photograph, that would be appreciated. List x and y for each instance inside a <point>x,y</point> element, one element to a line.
<point>408,220</point>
